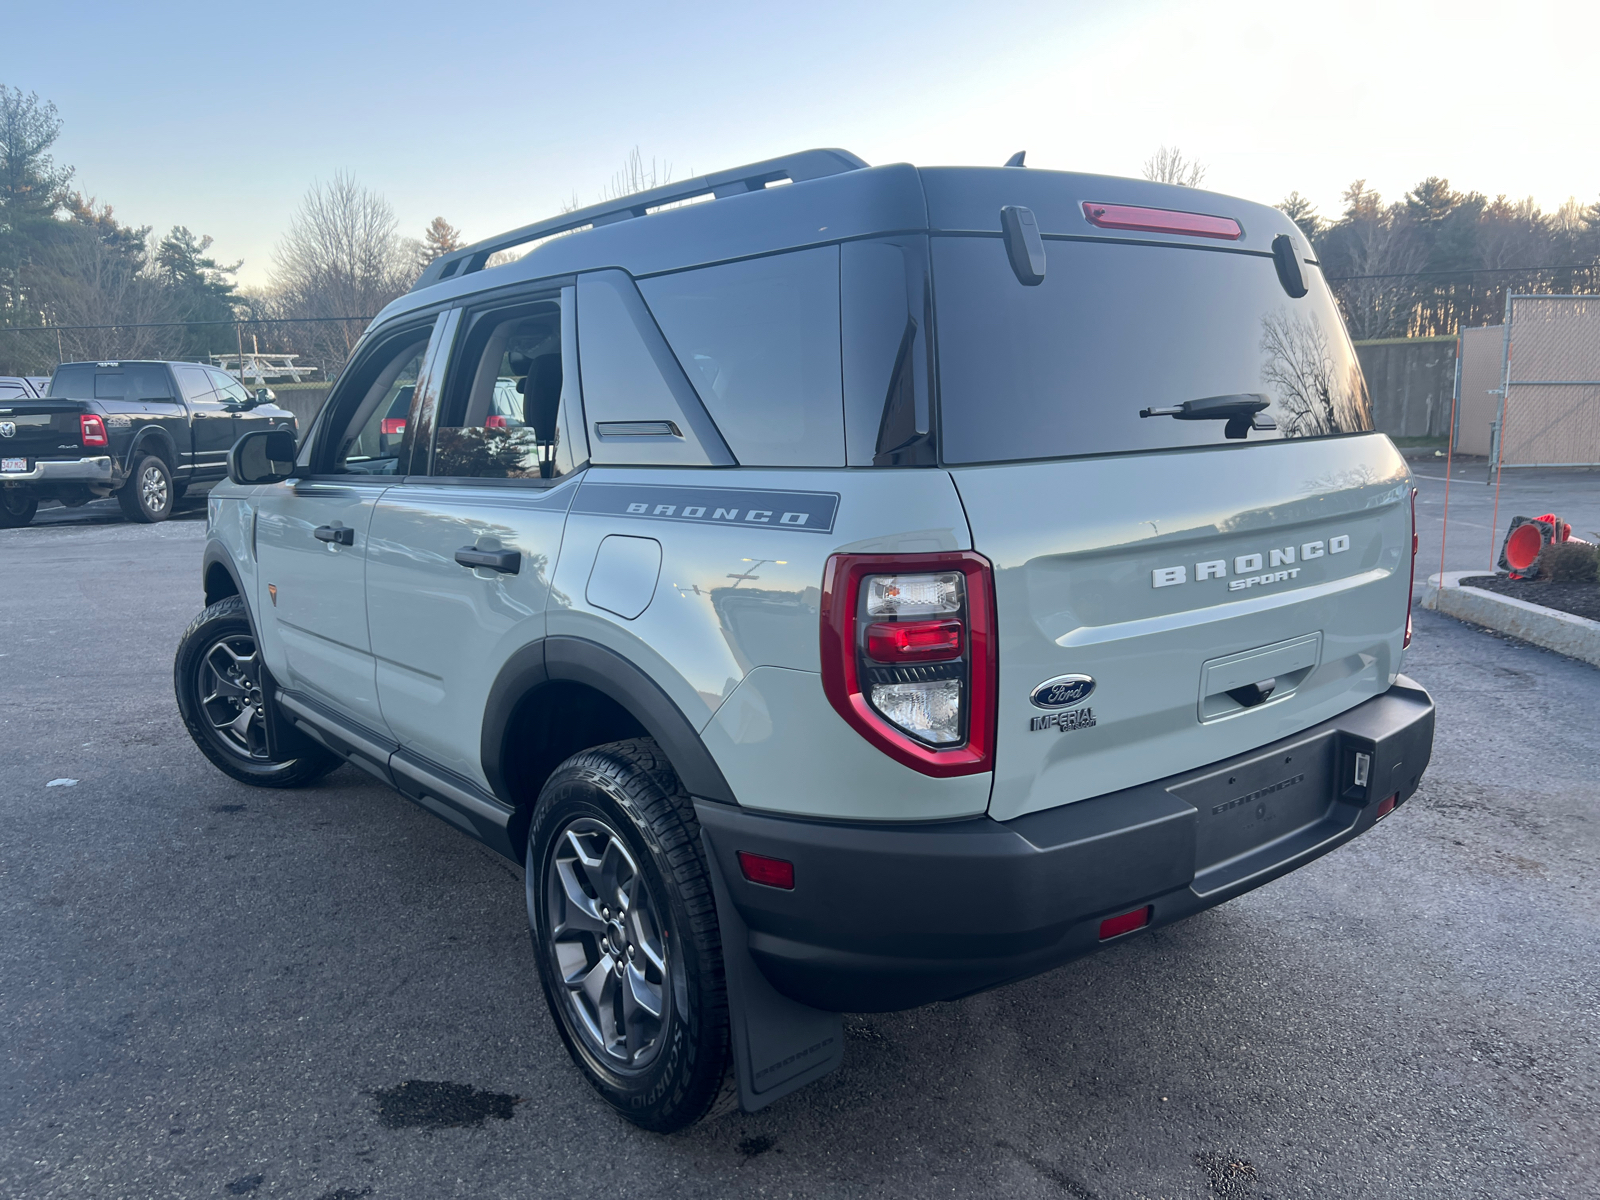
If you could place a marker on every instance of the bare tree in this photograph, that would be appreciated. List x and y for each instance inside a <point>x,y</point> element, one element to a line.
<point>628,180</point>
<point>342,257</point>
<point>1170,166</point>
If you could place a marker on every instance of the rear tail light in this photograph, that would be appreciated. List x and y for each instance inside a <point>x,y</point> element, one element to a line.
<point>1387,807</point>
<point>770,872</point>
<point>1117,926</point>
<point>92,430</point>
<point>1411,589</point>
<point>1161,220</point>
<point>394,425</point>
<point>908,656</point>
<point>495,421</point>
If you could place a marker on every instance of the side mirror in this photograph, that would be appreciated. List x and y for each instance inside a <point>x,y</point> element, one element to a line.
<point>263,395</point>
<point>262,456</point>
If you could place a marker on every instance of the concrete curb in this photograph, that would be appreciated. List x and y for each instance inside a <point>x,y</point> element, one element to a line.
<point>1576,637</point>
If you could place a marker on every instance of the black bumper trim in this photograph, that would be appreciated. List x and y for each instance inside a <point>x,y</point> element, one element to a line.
<point>886,917</point>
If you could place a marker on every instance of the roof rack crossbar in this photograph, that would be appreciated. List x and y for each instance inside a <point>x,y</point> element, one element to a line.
<point>797,168</point>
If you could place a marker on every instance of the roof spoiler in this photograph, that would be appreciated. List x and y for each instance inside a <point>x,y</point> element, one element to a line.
<point>797,168</point>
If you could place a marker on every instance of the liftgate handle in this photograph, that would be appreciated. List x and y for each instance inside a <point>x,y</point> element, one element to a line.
<point>507,562</point>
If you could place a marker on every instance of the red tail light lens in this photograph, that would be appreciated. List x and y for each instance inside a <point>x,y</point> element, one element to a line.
<point>92,430</point>
<point>495,421</point>
<point>913,641</point>
<point>770,872</point>
<point>1411,590</point>
<point>908,656</point>
<point>1161,220</point>
<point>394,425</point>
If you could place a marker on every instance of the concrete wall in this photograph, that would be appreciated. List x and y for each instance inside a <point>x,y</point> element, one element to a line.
<point>304,400</point>
<point>1411,381</point>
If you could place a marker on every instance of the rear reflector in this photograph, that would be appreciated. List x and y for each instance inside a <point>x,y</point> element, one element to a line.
<point>1387,806</point>
<point>1161,220</point>
<point>769,872</point>
<point>1117,926</point>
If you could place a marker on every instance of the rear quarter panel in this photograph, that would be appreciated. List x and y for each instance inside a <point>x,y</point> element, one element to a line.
<point>731,632</point>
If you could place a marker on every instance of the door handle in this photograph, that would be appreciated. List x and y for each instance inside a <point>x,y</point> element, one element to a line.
<point>507,562</point>
<point>339,535</point>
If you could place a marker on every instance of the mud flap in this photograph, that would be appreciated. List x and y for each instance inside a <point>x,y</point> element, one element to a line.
<point>779,1044</point>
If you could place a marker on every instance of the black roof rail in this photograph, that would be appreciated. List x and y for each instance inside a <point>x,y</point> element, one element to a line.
<point>807,164</point>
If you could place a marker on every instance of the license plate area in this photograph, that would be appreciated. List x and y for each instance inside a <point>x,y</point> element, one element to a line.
<point>1260,801</point>
<point>12,466</point>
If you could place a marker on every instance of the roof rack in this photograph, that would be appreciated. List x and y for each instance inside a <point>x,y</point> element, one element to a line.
<point>796,168</point>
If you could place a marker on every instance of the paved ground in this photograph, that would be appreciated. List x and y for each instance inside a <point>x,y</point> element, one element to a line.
<point>1572,493</point>
<point>208,991</point>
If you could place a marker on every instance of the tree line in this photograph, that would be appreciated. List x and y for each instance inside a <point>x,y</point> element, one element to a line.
<point>1429,263</point>
<point>122,291</point>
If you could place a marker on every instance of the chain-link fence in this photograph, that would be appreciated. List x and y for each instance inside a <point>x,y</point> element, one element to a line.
<point>320,344</point>
<point>1550,387</point>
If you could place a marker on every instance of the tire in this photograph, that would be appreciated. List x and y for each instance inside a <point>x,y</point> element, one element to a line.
<point>148,495</point>
<point>217,676</point>
<point>16,508</point>
<point>614,824</point>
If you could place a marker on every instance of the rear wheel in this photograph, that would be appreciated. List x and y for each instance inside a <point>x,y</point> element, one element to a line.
<point>148,495</point>
<point>16,508</point>
<point>625,927</point>
<point>217,676</point>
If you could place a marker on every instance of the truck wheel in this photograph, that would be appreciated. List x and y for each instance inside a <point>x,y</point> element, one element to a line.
<point>625,929</point>
<point>16,508</point>
<point>217,676</point>
<point>148,495</point>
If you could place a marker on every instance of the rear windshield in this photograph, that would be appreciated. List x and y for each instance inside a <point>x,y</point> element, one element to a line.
<point>131,381</point>
<point>1063,368</point>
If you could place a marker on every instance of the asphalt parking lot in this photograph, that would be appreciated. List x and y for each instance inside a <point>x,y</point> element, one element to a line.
<point>208,990</point>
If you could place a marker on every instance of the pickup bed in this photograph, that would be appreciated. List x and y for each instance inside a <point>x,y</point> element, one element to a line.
<point>141,431</point>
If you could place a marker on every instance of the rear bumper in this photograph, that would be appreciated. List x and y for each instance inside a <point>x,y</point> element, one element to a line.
<point>100,471</point>
<point>886,917</point>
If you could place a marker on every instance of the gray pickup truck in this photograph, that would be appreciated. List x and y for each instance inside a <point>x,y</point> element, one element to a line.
<point>140,431</point>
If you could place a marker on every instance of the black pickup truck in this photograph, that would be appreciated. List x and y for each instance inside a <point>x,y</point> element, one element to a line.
<point>141,431</point>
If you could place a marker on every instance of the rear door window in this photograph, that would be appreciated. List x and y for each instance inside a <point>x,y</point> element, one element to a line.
<point>760,342</point>
<point>1063,368</point>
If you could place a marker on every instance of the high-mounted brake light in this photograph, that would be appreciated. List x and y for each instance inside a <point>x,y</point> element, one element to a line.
<point>1411,589</point>
<point>394,425</point>
<point>495,421</point>
<point>908,656</point>
<point>92,430</point>
<point>1161,220</point>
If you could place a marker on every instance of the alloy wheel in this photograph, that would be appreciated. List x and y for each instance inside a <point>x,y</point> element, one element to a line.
<point>153,489</point>
<point>230,696</point>
<point>609,943</point>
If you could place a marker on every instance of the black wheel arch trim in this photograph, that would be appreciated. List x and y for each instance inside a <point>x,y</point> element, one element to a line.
<point>579,660</point>
<point>284,739</point>
<point>169,455</point>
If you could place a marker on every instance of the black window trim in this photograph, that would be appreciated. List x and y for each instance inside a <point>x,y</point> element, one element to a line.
<point>471,309</point>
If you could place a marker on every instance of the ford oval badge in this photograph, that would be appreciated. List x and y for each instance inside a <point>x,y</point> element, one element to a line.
<point>1062,692</point>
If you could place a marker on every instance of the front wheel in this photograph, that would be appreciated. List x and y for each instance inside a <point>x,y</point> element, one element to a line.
<point>625,928</point>
<point>148,495</point>
<point>16,508</point>
<point>217,676</point>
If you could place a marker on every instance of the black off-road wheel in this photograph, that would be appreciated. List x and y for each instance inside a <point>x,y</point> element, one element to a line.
<point>149,494</point>
<point>625,928</point>
<point>16,508</point>
<point>218,678</point>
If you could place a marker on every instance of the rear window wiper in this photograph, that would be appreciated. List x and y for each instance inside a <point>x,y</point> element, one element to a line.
<point>1241,411</point>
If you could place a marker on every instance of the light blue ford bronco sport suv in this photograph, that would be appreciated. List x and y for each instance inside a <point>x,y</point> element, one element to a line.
<point>861,588</point>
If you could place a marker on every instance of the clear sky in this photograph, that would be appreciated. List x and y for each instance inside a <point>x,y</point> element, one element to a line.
<point>219,116</point>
